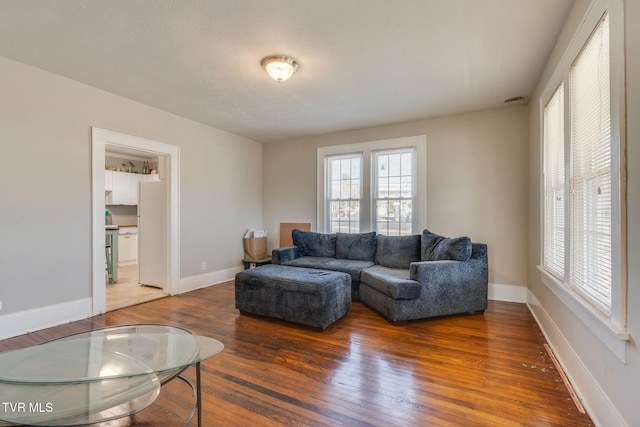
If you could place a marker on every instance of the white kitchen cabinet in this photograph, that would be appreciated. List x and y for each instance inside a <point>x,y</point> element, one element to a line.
<point>150,177</point>
<point>125,188</point>
<point>108,180</point>
<point>127,246</point>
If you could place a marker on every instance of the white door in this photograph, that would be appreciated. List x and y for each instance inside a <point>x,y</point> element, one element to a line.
<point>152,231</point>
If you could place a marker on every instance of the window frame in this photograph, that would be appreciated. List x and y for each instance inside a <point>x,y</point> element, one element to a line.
<point>367,150</point>
<point>610,329</point>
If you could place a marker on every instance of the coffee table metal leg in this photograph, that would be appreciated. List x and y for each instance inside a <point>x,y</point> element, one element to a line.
<point>198,394</point>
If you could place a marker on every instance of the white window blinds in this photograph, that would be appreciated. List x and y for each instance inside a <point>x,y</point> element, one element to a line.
<point>554,185</point>
<point>590,207</point>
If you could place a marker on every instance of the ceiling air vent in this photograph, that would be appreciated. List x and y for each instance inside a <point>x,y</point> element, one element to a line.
<point>515,100</point>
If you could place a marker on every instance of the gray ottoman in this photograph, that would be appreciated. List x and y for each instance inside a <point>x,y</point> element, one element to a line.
<point>307,296</point>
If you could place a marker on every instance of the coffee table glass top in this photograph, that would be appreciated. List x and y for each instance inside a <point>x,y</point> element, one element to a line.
<point>97,375</point>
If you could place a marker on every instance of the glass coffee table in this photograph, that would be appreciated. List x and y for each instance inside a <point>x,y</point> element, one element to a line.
<point>99,375</point>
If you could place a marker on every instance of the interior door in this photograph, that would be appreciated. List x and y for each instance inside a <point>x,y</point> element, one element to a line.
<point>152,231</point>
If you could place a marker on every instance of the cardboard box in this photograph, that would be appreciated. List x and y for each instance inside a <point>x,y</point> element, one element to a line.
<point>255,248</point>
<point>287,227</point>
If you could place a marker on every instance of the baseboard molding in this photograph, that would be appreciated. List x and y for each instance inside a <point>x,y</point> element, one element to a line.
<point>509,293</point>
<point>598,405</point>
<point>22,322</point>
<point>191,283</point>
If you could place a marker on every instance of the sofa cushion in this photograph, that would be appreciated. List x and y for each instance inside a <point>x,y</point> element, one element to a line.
<point>351,267</point>
<point>392,282</point>
<point>439,248</point>
<point>397,251</point>
<point>315,244</point>
<point>360,246</point>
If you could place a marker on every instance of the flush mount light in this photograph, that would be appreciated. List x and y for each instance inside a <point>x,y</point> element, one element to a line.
<point>280,68</point>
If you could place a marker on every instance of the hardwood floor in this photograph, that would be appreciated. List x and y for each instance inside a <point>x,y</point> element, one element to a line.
<point>127,291</point>
<point>480,370</point>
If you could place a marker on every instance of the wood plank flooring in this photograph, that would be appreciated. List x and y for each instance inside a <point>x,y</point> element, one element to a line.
<point>468,370</point>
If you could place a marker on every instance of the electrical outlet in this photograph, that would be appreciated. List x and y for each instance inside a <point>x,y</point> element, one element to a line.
<point>203,265</point>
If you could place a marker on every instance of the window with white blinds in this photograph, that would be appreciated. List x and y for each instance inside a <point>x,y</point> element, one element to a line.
<point>554,185</point>
<point>577,206</point>
<point>590,207</point>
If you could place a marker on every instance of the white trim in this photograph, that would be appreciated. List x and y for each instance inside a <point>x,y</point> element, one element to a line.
<point>35,319</point>
<point>598,405</point>
<point>102,138</point>
<point>199,281</point>
<point>610,334</point>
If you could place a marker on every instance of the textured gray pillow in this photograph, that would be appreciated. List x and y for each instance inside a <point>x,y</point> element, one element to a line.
<point>360,247</point>
<point>439,248</point>
<point>315,244</point>
<point>397,251</point>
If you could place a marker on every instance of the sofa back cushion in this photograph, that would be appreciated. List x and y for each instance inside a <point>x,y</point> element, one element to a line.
<point>397,251</point>
<point>315,244</point>
<point>439,248</point>
<point>359,247</point>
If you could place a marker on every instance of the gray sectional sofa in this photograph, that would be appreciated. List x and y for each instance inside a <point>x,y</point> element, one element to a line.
<point>401,277</point>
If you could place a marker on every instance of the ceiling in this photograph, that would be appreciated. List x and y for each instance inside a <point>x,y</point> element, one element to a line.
<point>362,62</point>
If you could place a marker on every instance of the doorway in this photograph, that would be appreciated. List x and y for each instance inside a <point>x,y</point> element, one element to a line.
<point>103,142</point>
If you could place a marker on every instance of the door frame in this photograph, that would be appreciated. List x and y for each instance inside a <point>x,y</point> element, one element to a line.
<point>100,140</point>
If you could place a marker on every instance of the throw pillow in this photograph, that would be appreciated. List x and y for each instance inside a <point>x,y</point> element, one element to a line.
<point>360,247</point>
<point>315,244</point>
<point>439,248</point>
<point>397,251</point>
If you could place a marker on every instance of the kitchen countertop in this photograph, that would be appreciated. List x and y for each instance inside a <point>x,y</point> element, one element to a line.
<point>127,225</point>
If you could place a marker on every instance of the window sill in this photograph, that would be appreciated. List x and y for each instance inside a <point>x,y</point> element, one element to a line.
<point>612,336</point>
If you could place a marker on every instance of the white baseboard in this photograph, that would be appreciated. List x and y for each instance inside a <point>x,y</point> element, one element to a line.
<point>22,322</point>
<point>509,293</point>
<point>199,281</point>
<point>598,405</point>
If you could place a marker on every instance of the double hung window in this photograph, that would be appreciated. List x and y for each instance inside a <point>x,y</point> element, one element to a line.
<point>583,218</point>
<point>394,191</point>
<point>375,186</point>
<point>344,192</point>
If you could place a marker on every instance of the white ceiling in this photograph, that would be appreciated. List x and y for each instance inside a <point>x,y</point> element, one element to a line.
<point>362,62</point>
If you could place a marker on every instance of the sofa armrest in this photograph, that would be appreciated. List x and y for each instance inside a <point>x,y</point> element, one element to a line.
<point>282,255</point>
<point>438,272</point>
<point>453,286</point>
<point>473,271</point>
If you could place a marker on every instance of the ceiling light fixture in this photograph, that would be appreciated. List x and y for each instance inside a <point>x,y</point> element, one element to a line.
<point>280,68</point>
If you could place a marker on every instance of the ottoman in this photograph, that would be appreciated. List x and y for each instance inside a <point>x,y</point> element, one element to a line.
<point>307,296</point>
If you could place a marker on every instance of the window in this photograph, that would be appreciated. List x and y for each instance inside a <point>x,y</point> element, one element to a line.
<point>344,192</point>
<point>554,185</point>
<point>590,147</point>
<point>394,191</point>
<point>374,186</point>
<point>582,177</point>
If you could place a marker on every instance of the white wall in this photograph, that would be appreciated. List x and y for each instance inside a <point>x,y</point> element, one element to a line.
<point>45,201</point>
<point>609,386</point>
<point>476,182</point>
